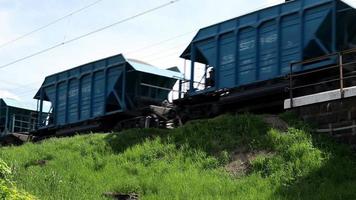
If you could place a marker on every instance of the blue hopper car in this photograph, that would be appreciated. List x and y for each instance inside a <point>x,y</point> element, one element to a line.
<point>260,46</point>
<point>102,93</point>
<point>16,117</point>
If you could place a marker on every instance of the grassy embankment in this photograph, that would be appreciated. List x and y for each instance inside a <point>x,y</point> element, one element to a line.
<point>230,157</point>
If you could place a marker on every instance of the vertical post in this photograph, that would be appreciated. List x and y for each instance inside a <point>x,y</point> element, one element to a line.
<point>123,99</point>
<point>33,120</point>
<point>91,92</point>
<point>7,119</point>
<point>54,113</point>
<point>217,61</point>
<point>66,115</point>
<point>342,92</point>
<point>291,85</point>
<point>172,93</point>
<point>41,107</point>
<point>106,74</point>
<point>205,75</point>
<point>80,85</point>
<point>37,105</point>
<point>180,89</point>
<point>29,122</point>
<point>139,90</point>
<point>13,123</point>
<point>184,75</point>
<point>192,66</point>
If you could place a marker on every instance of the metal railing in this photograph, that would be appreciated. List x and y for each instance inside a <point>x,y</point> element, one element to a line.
<point>22,123</point>
<point>153,90</point>
<point>184,86</point>
<point>343,60</point>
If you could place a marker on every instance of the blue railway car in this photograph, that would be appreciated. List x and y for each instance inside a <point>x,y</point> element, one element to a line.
<point>16,117</point>
<point>260,46</point>
<point>114,87</point>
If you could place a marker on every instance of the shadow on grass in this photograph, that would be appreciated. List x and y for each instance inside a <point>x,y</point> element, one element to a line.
<point>121,141</point>
<point>336,179</point>
<point>224,133</point>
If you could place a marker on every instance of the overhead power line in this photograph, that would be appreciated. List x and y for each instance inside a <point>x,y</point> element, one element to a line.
<point>20,86</point>
<point>89,33</point>
<point>160,42</point>
<point>165,50</point>
<point>49,24</point>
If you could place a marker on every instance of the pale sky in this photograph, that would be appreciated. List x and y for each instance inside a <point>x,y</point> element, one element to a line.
<point>17,17</point>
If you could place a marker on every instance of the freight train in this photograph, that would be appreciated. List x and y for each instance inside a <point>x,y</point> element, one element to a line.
<point>251,55</point>
<point>248,65</point>
<point>108,93</point>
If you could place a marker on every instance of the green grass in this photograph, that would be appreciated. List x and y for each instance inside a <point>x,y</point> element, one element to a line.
<point>7,188</point>
<point>187,163</point>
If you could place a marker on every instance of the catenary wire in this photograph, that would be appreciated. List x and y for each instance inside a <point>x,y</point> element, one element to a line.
<point>129,53</point>
<point>49,24</point>
<point>89,33</point>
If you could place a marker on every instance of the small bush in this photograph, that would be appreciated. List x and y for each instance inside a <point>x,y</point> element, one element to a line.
<point>7,189</point>
<point>296,157</point>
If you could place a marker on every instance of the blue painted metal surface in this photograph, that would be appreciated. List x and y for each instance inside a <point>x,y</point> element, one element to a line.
<point>261,45</point>
<point>16,116</point>
<point>107,86</point>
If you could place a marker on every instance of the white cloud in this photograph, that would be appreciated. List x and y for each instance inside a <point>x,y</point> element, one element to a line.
<point>7,94</point>
<point>4,24</point>
<point>272,2</point>
<point>352,3</point>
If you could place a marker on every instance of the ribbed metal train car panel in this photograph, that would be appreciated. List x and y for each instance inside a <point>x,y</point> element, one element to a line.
<point>104,87</point>
<point>261,45</point>
<point>85,91</point>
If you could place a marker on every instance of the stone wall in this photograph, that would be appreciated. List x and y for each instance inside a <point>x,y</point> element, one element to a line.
<point>336,118</point>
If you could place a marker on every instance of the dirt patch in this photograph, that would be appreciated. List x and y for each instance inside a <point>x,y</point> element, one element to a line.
<point>242,159</point>
<point>40,163</point>
<point>275,122</point>
<point>120,196</point>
